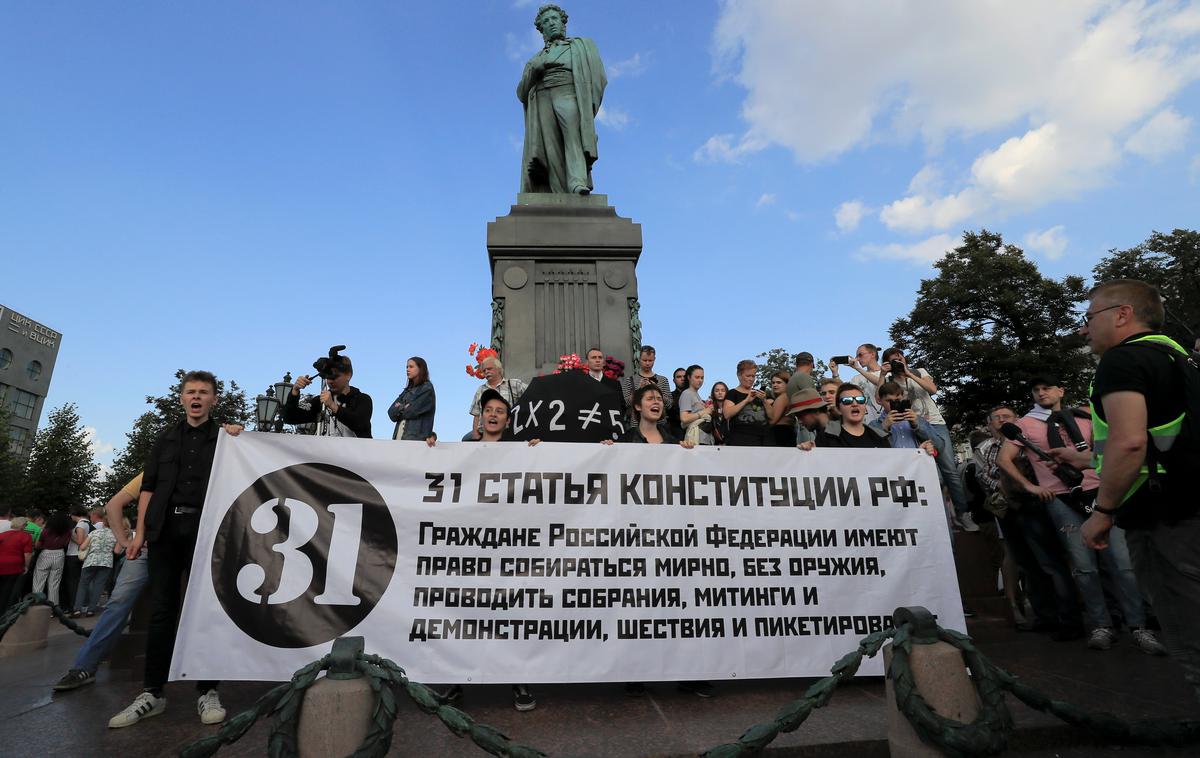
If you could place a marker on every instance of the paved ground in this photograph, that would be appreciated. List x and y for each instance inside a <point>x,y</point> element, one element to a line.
<point>600,720</point>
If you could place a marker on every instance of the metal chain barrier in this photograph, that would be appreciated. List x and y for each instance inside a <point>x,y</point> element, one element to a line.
<point>36,598</point>
<point>385,678</point>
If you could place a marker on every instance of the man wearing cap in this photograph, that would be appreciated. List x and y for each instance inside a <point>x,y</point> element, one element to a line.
<point>811,415</point>
<point>1066,508</point>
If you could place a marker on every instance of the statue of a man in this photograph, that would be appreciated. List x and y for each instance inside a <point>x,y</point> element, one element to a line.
<point>561,87</point>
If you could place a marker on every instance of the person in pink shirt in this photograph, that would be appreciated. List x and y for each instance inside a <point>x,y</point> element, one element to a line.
<point>1067,492</point>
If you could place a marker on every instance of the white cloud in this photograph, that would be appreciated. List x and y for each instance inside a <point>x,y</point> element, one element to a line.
<point>100,448</point>
<point>849,214</point>
<point>1051,243</point>
<point>521,47</point>
<point>613,118</point>
<point>1162,135</point>
<point>631,66</point>
<point>1064,91</point>
<point>765,198</point>
<point>925,251</point>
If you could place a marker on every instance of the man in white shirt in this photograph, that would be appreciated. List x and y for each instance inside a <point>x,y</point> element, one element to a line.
<point>5,518</point>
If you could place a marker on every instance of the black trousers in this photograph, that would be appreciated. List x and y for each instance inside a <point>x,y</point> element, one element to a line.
<point>72,571</point>
<point>169,560</point>
<point>10,590</point>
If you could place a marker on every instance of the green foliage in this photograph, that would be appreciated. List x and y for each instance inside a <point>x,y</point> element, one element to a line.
<point>12,467</point>
<point>232,408</point>
<point>62,472</point>
<point>987,323</point>
<point>1170,262</point>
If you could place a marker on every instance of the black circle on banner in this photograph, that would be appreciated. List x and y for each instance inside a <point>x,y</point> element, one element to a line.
<point>304,493</point>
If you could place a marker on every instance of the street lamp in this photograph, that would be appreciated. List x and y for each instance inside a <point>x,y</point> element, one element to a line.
<point>268,407</point>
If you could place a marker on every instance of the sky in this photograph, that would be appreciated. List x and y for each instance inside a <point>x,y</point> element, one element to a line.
<point>237,186</point>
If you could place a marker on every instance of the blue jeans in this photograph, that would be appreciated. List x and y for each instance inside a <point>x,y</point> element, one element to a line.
<point>948,468</point>
<point>130,582</point>
<point>1039,533</point>
<point>91,584</point>
<point>1117,563</point>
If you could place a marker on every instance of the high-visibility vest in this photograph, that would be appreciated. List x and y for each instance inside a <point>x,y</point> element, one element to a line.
<point>1163,436</point>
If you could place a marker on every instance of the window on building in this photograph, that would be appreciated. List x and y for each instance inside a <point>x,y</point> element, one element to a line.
<point>34,370</point>
<point>5,358</point>
<point>18,439</point>
<point>21,403</point>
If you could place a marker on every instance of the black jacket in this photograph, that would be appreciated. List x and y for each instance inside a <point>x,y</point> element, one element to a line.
<point>162,472</point>
<point>354,411</point>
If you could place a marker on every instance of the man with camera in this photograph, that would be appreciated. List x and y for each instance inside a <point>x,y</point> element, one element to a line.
<point>341,410</point>
<point>906,429</point>
<point>919,387</point>
<point>1067,493</point>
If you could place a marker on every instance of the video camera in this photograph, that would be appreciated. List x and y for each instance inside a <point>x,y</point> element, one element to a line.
<point>330,366</point>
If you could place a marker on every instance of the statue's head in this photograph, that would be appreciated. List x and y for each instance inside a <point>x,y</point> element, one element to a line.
<point>551,21</point>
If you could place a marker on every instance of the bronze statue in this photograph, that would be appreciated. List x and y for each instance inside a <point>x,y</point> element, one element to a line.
<point>561,87</point>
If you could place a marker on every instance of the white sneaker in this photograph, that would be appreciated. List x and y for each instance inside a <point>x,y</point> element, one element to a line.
<point>966,522</point>
<point>1101,638</point>
<point>209,707</point>
<point>1147,642</point>
<point>143,706</point>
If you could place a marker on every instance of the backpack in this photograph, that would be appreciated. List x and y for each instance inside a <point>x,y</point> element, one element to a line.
<point>1174,491</point>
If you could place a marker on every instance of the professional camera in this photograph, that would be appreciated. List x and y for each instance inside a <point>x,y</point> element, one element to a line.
<point>329,366</point>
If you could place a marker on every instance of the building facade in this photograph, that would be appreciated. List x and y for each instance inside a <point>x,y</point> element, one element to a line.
<point>28,351</point>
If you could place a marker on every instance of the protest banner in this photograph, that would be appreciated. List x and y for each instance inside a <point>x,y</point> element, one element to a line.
<point>501,562</point>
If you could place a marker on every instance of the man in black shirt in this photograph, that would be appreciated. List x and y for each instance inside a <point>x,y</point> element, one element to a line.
<point>348,410</point>
<point>168,519</point>
<point>1138,388</point>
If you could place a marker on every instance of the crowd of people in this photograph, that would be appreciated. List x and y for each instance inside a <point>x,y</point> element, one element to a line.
<point>1089,550</point>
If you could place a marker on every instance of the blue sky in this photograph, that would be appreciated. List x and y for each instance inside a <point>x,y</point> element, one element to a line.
<point>237,186</point>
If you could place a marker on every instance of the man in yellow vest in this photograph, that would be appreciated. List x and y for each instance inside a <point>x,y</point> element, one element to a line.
<point>1138,395</point>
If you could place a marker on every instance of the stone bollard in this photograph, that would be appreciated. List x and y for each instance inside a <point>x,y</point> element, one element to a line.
<point>28,634</point>
<point>336,714</point>
<point>941,677</point>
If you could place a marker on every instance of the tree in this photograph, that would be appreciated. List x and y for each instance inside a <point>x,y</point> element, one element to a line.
<point>62,472</point>
<point>1170,262</point>
<point>12,467</point>
<point>987,323</point>
<point>232,408</point>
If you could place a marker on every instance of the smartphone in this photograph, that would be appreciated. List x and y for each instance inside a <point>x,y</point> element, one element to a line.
<point>841,360</point>
<point>901,406</point>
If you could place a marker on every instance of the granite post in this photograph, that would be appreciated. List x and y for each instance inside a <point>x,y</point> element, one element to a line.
<point>563,280</point>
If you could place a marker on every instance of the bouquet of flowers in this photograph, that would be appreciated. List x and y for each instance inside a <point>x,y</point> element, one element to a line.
<point>480,353</point>
<point>570,362</point>
<point>613,368</point>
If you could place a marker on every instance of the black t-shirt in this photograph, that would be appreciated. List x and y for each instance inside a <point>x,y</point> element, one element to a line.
<point>868,439</point>
<point>1150,372</point>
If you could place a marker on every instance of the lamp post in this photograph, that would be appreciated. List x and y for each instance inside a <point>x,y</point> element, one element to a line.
<point>268,407</point>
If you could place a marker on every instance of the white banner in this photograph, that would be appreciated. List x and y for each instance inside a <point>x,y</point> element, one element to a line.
<point>499,562</point>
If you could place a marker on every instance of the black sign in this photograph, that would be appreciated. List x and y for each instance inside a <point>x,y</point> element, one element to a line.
<point>568,407</point>
<point>272,559</point>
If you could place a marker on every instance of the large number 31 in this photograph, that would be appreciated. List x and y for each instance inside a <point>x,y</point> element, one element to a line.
<point>297,574</point>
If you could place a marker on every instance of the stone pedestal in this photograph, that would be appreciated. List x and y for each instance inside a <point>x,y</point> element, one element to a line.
<point>28,634</point>
<point>942,680</point>
<point>335,717</point>
<point>563,280</point>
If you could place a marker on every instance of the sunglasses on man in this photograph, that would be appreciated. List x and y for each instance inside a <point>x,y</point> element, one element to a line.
<point>853,400</point>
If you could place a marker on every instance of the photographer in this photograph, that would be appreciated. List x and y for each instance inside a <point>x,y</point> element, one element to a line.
<point>870,374</point>
<point>1067,492</point>
<point>919,387</point>
<point>343,411</point>
<point>643,376</point>
<point>900,422</point>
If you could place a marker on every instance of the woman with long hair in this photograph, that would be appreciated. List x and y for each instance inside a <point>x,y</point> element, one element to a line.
<point>783,427</point>
<point>720,424</point>
<point>48,572</point>
<point>746,410</point>
<point>414,409</point>
<point>695,415</point>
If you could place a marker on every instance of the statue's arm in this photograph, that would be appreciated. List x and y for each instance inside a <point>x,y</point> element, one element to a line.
<point>529,77</point>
